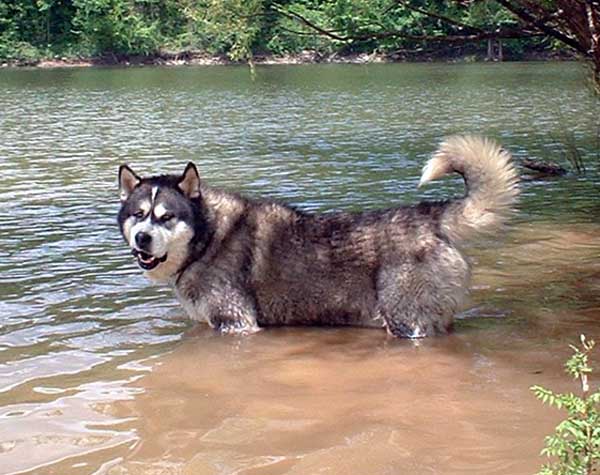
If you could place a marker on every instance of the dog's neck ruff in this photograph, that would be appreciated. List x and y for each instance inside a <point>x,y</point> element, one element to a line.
<point>193,257</point>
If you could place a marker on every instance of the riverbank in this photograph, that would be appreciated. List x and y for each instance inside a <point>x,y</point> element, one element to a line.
<point>192,58</point>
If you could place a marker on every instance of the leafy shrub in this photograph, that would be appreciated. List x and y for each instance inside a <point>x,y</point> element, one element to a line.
<point>20,51</point>
<point>575,445</point>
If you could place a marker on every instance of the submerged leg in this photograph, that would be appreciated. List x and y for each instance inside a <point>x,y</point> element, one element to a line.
<point>235,314</point>
<point>419,300</point>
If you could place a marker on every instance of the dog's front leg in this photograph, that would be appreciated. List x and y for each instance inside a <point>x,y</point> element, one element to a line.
<point>236,314</point>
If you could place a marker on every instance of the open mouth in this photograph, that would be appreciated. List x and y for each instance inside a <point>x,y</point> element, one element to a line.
<point>147,261</point>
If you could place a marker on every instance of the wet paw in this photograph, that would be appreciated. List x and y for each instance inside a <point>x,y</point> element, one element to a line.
<point>236,328</point>
<point>404,330</point>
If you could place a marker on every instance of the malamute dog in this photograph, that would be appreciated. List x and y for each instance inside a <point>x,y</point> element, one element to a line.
<point>241,264</point>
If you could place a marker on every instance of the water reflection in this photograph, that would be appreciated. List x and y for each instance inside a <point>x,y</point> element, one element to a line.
<point>100,373</point>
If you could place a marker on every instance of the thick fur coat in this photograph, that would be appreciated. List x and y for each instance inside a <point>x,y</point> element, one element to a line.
<point>241,264</point>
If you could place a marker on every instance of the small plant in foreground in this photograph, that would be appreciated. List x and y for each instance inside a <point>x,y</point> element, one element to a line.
<point>575,445</point>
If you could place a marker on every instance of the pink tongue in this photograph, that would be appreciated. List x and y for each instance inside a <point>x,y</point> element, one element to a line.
<point>147,261</point>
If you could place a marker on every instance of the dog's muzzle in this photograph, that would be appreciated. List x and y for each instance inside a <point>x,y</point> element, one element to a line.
<point>147,261</point>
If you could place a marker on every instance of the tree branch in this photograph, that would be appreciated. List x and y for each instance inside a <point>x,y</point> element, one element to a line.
<point>541,25</point>
<point>483,35</point>
<point>296,16</point>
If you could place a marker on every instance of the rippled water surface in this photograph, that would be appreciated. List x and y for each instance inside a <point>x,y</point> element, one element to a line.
<point>100,373</point>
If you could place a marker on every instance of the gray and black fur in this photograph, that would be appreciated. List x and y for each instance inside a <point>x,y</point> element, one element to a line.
<point>242,264</point>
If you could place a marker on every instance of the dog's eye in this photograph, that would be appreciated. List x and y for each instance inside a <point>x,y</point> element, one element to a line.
<point>139,214</point>
<point>166,217</point>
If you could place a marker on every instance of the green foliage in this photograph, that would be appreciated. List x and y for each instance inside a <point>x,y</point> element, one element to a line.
<point>234,26</point>
<point>575,445</point>
<point>488,14</point>
<point>21,51</point>
<point>31,29</point>
<point>117,26</point>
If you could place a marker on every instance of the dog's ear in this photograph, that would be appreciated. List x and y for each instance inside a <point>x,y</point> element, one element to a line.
<point>128,180</point>
<point>190,181</point>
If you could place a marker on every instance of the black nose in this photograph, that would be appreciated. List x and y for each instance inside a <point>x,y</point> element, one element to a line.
<point>143,240</point>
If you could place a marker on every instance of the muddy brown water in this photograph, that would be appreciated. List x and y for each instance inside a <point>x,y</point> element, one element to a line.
<point>100,373</point>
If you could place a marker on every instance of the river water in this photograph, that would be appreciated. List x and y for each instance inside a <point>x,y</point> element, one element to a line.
<point>100,372</point>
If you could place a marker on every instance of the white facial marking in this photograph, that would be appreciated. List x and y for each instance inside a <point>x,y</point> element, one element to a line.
<point>159,210</point>
<point>142,226</point>
<point>145,206</point>
<point>174,244</point>
<point>127,225</point>
<point>154,193</point>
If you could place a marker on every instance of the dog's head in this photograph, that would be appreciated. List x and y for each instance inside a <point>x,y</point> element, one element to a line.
<point>162,219</point>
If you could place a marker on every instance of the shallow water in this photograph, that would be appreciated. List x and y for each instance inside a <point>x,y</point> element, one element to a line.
<point>101,373</point>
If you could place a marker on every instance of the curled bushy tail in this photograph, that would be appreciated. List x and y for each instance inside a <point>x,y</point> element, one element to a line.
<point>490,178</point>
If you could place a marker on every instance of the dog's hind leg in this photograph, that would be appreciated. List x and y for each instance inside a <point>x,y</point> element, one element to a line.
<point>408,313</point>
<point>417,300</point>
